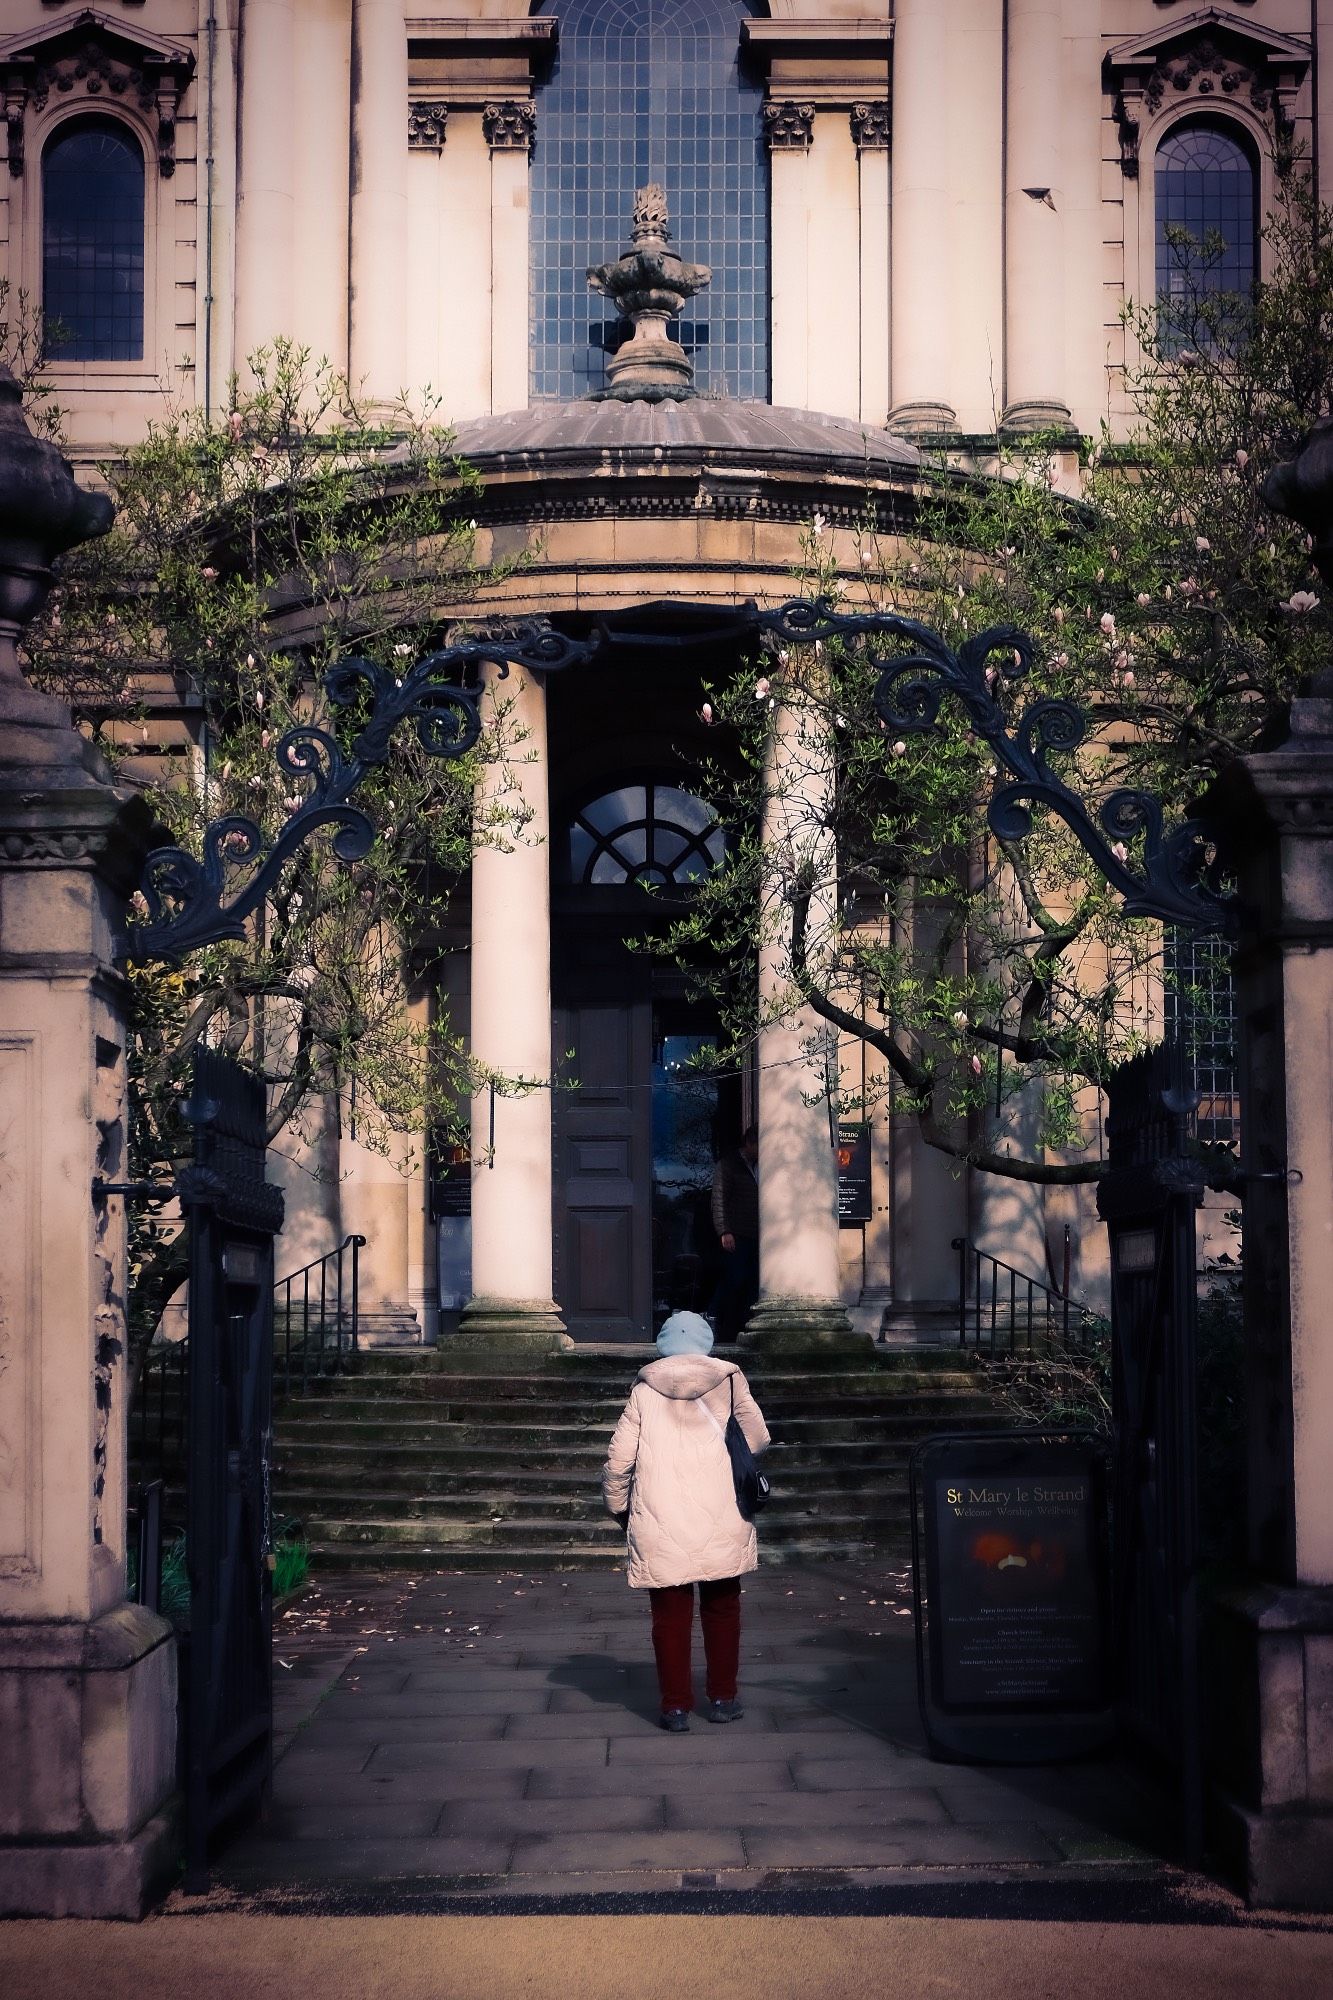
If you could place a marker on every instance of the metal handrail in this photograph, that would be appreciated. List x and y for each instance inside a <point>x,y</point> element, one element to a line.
<point>1004,1310</point>
<point>316,1316</point>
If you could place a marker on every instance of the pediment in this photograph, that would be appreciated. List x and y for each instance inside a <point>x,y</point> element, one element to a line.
<point>1207,58</point>
<point>120,41</point>
<point>89,57</point>
<point>1264,48</point>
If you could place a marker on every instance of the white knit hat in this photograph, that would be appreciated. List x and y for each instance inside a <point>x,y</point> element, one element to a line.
<point>685,1333</point>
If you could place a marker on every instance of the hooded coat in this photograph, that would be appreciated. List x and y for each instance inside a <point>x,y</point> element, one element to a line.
<point>669,1466</point>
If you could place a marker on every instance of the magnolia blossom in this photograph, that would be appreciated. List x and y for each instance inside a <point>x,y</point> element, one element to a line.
<point>1058,615</point>
<point>960,1019</point>
<point>900,748</point>
<point>1101,576</point>
<point>761,688</point>
<point>706,712</point>
<point>1242,459</point>
<point>1202,544</point>
<point>1189,586</point>
<point>1107,623</point>
<point>1301,600</point>
<point>1060,660</point>
<point>976,1064</point>
<point>402,650</point>
<point>866,558</point>
<point>208,573</point>
<point>1128,678</point>
<point>1120,851</point>
<point>819,524</point>
<point>234,426</point>
<point>259,698</point>
<point>139,903</point>
<point>226,768</point>
<point>292,801</point>
<point>1168,593</point>
<point>265,738</point>
<point>1143,600</point>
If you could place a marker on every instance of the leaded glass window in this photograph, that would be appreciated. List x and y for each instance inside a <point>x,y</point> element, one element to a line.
<point>1206,191</point>
<point>650,90</point>
<point>93,241</point>
<point>647,833</point>
<point>1200,1009</point>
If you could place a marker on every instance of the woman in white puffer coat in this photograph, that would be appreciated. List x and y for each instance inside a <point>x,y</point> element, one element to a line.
<point>668,1480</point>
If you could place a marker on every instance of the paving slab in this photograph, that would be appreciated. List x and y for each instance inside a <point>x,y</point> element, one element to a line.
<point>498,1733</point>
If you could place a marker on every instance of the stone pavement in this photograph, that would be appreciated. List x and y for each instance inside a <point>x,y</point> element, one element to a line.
<point>496,1734</point>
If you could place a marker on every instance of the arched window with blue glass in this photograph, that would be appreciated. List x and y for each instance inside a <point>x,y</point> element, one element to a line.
<point>1206,179</point>
<point>653,834</point>
<point>93,241</point>
<point>642,91</point>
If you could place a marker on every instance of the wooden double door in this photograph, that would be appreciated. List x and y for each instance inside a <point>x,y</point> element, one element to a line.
<point>636,1133</point>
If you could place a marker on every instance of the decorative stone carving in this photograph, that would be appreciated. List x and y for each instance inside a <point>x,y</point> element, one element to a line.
<point>97,61</point>
<point>649,284</point>
<point>1213,59</point>
<point>789,127</point>
<point>510,127</point>
<point>871,125</point>
<point>425,127</point>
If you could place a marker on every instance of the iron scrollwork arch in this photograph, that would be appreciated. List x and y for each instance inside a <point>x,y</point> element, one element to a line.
<point>1176,878</point>
<point>439,696</point>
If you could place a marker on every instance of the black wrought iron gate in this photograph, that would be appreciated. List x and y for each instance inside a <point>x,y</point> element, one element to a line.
<point>1148,1201</point>
<point>233,1215</point>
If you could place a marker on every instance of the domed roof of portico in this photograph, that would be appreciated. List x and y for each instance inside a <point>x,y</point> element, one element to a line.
<point>623,436</point>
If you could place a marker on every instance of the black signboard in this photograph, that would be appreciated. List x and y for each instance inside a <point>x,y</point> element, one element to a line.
<point>853,1174</point>
<point>450,1181</point>
<point>1011,1578</point>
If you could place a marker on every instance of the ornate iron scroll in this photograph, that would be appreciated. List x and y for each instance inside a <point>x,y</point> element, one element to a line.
<point>1175,876</point>
<point>185,893</point>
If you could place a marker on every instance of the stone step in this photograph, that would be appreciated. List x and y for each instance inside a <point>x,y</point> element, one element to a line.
<point>885,1503</point>
<point>436,1536</point>
<point>521,1441</point>
<point>319,1408</point>
<point>516,1560</point>
<point>487,1389</point>
<point>311,1470</point>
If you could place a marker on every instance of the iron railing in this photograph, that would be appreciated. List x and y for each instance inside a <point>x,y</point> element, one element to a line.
<point>315,1319</point>
<point>1002,1310</point>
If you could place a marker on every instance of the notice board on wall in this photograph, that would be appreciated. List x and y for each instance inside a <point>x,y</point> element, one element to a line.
<point>1011,1573</point>
<point>853,1174</point>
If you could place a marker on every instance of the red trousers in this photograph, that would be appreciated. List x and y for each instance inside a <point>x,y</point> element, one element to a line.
<point>720,1617</point>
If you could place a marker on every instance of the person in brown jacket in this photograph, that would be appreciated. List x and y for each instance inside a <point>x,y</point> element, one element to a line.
<point>736,1220</point>
<point>668,1480</point>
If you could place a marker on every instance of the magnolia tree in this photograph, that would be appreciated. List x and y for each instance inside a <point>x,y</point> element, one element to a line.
<point>1168,601</point>
<point>251,553</point>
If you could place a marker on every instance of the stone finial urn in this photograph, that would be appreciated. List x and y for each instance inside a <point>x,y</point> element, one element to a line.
<point>43,512</point>
<point>649,284</point>
<point>1302,489</point>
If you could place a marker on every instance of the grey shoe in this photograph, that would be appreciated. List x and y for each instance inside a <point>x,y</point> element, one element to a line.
<point>677,1720</point>
<point>726,1711</point>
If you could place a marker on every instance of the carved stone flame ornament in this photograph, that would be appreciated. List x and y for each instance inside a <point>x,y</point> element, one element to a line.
<point>648,285</point>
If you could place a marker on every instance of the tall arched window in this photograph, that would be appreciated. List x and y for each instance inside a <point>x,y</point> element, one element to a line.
<point>1206,188</point>
<point>93,241</point>
<point>650,90</point>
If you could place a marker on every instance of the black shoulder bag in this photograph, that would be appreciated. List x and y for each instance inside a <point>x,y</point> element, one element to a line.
<point>752,1488</point>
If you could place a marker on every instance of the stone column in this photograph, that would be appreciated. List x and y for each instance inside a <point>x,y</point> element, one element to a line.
<point>87,1681</point>
<point>511,1303</point>
<point>1272,1646</point>
<point>265,247</point>
<point>1034,375</point>
<point>921,336</point>
<point>800,1281</point>
<point>379,276</point>
<point>321,120</point>
<point>789,131</point>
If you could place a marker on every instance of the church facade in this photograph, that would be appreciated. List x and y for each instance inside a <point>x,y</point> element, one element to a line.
<point>922,224</point>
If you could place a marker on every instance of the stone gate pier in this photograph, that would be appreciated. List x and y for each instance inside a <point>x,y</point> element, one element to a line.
<point>1269,1673</point>
<point>87,1681</point>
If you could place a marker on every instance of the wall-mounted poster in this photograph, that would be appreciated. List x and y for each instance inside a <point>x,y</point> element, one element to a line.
<point>1012,1585</point>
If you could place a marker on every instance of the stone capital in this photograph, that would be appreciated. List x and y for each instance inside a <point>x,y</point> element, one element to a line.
<point>426,124</point>
<point>871,127</point>
<point>510,126</point>
<point>788,127</point>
